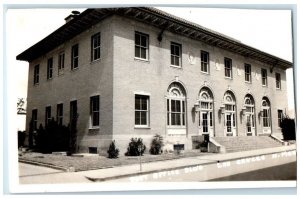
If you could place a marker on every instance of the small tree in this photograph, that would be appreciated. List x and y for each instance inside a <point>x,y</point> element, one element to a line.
<point>73,135</point>
<point>156,145</point>
<point>288,128</point>
<point>133,147</point>
<point>113,152</point>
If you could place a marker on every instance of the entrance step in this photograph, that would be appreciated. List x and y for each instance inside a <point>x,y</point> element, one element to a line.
<point>247,143</point>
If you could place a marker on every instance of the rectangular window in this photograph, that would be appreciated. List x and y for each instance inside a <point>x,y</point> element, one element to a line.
<point>74,56</point>
<point>95,46</point>
<point>48,115</point>
<point>94,110</point>
<point>59,114</point>
<point>228,67</point>
<point>36,74</point>
<point>34,119</point>
<point>73,111</point>
<point>204,62</point>
<point>49,68</point>
<point>266,118</point>
<point>280,117</point>
<point>141,46</point>
<point>248,73</point>
<point>61,62</point>
<point>175,54</point>
<point>278,80</point>
<point>176,112</point>
<point>141,110</point>
<point>264,77</point>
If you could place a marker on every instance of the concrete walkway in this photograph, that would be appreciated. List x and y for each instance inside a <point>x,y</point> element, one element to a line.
<point>132,170</point>
<point>169,165</point>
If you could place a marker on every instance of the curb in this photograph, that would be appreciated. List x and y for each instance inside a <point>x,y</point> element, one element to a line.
<point>66,169</point>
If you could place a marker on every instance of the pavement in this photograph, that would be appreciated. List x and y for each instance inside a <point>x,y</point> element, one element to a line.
<point>286,153</point>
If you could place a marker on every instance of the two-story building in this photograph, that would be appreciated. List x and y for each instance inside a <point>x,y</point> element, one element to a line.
<point>137,72</point>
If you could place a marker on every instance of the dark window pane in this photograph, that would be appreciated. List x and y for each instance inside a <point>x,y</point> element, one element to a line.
<point>143,118</point>
<point>137,51</point>
<point>143,41</point>
<point>137,39</point>
<point>143,53</point>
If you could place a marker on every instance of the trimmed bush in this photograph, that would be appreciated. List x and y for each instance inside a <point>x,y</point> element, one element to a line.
<point>156,145</point>
<point>113,151</point>
<point>288,128</point>
<point>21,138</point>
<point>132,149</point>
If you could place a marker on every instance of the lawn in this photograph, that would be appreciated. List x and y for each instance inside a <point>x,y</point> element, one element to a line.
<point>98,162</point>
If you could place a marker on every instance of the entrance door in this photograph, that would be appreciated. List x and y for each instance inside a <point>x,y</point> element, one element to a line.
<point>250,125</point>
<point>206,123</point>
<point>230,129</point>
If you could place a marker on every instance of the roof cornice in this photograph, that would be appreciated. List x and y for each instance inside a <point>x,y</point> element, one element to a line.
<point>154,17</point>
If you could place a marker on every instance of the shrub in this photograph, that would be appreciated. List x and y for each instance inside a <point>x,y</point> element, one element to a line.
<point>21,138</point>
<point>132,149</point>
<point>113,152</point>
<point>156,145</point>
<point>288,128</point>
<point>53,137</point>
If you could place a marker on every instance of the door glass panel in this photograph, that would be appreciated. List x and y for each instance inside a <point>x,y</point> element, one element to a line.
<point>228,123</point>
<point>204,123</point>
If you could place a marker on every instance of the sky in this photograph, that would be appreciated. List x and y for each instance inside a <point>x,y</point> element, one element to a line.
<point>266,30</point>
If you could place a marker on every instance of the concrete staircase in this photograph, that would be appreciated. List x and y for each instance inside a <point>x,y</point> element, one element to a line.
<point>247,143</point>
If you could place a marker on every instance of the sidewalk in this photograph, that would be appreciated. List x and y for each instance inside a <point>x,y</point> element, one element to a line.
<point>133,170</point>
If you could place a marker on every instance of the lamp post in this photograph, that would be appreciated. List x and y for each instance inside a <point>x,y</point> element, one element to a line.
<point>140,152</point>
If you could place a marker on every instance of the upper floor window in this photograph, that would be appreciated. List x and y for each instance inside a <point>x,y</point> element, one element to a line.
<point>204,62</point>
<point>264,77</point>
<point>141,110</point>
<point>141,46</point>
<point>36,74</point>
<point>228,67</point>
<point>50,68</point>
<point>95,42</point>
<point>278,80</point>
<point>48,115</point>
<point>74,56</point>
<point>248,73</point>
<point>59,114</point>
<point>175,54</point>
<point>95,110</point>
<point>61,62</point>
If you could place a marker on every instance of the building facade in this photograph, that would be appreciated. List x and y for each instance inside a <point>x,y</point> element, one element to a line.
<point>137,72</point>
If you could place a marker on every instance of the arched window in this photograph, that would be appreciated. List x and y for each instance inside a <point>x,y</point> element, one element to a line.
<point>249,114</point>
<point>206,111</point>
<point>266,112</point>
<point>176,110</point>
<point>229,114</point>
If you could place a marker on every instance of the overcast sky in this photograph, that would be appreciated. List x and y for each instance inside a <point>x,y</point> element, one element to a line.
<point>267,30</point>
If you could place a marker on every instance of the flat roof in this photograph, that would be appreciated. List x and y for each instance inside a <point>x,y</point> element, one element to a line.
<point>154,17</point>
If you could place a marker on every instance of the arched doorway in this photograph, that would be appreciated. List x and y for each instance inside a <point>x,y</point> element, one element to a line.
<point>249,115</point>
<point>206,107</point>
<point>229,114</point>
<point>176,109</point>
<point>266,115</point>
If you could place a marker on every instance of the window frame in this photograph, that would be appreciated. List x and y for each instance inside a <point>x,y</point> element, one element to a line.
<point>61,62</point>
<point>94,38</point>
<point>59,113</point>
<point>264,77</point>
<point>75,57</point>
<point>278,80</point>
<point>140,110</point>
<point>204,64</point>
<point>36,74</point>
<point>140,46</point>
<point>50,68</point>
<point>247,69</point>
<point>174,56</point>
<point>48,117</point>
<point>94,111</point>
<point>226,68</point>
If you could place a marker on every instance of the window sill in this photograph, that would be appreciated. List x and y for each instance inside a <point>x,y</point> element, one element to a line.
<point>278,89</point>
<point>75,69</point>
<point>36,84</point>
<point>95,61</point>
<point>176,127</point>
<point>229,78</point>
<point>248,82</point>
<point>49,79</point>
<point>142,127</point>
<point>177,67</point>
<point>94,128</point>
<point>142,60</point>
<point>265,86</point>
<point>205,73</point>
